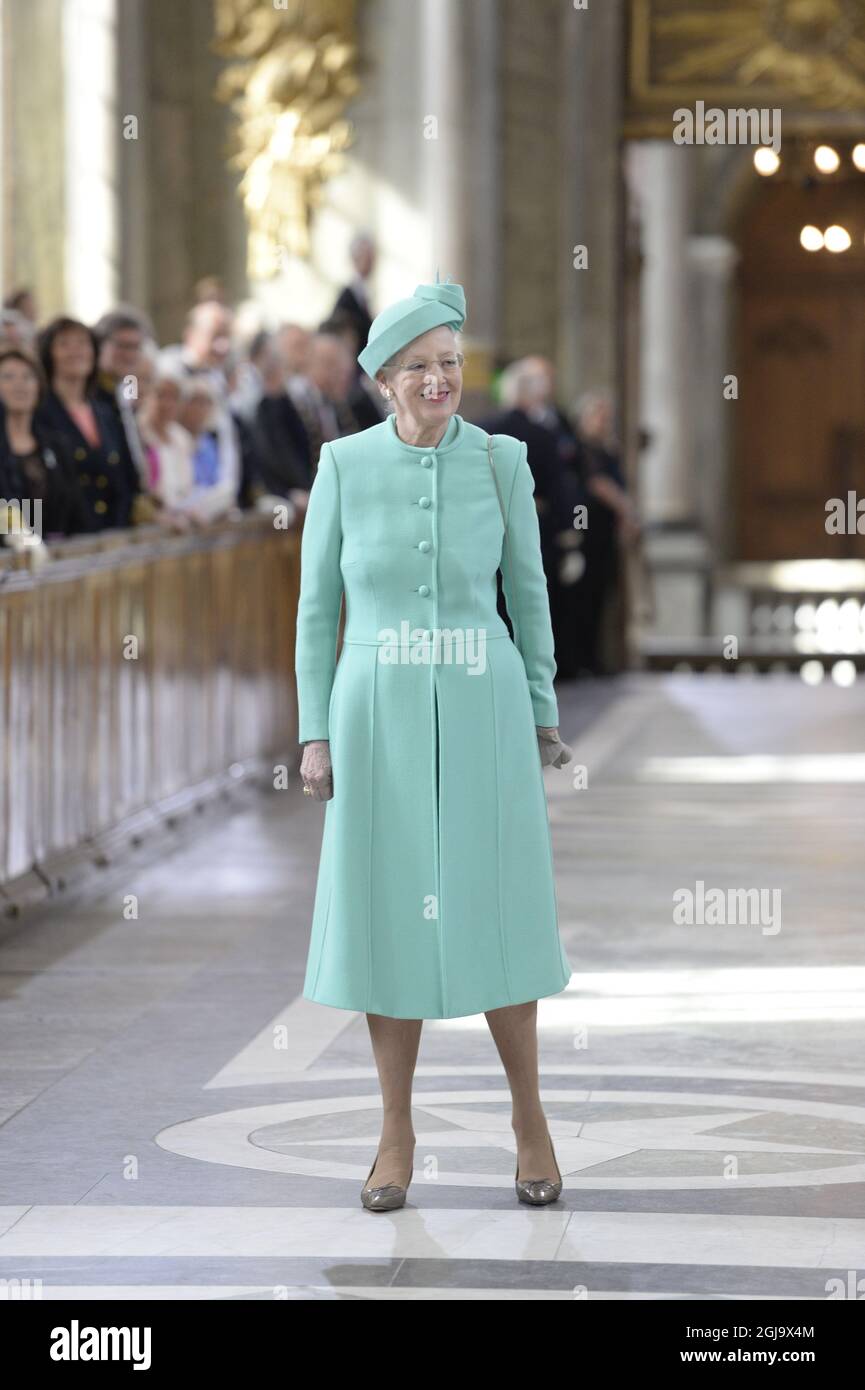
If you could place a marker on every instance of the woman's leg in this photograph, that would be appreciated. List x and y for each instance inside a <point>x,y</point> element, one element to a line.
<point>395,1043</point>
<point>515,1033</point>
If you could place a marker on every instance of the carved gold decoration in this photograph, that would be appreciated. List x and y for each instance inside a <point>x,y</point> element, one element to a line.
<point>293,71</point>
<point>805,54</point>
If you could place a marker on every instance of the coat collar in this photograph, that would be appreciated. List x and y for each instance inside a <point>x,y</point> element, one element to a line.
<point>451,438</point>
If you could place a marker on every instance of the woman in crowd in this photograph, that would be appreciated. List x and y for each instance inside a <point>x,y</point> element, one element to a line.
<point>168,446</point>
<point>106,474</point>
<point>36,469</point>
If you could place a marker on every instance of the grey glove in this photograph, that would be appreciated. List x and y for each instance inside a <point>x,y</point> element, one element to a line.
<point>553,752</point>
<point>316,770</point>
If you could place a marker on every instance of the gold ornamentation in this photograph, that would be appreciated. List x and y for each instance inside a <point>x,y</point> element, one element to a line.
<point>805,53</point>
<point>293,71</point>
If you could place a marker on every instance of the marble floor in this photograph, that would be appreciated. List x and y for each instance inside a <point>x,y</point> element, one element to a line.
<point>178,1123</point>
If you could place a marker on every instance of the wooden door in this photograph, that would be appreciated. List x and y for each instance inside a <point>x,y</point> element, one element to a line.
<point>801,370</point>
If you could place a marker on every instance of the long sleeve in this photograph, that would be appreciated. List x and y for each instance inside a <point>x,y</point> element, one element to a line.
<point>320,599</point>
<point>526,593</point>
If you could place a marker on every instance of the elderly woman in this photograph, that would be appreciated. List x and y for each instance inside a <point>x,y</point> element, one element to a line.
<point>168,446</point>
<point>435,895</point>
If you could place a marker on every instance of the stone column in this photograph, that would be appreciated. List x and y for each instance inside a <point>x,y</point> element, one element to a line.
<point>712,261</point>
<point>591,203</point>
<point>666,492</point>
<point>442,93</point>
<point>32,154</point>
<point>91,124</point>
<point>480,196</point>
<point>135,196</point>
<point>660,176</point>
<point>196,224</point>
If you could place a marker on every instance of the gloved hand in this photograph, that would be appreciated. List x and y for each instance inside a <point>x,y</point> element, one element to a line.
<point>553,752</point>
<point>316,770</point>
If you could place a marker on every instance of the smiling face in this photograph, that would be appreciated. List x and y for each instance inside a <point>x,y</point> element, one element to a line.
<point>72,353</point>
<point>19,387</point>
<point>426,380</point>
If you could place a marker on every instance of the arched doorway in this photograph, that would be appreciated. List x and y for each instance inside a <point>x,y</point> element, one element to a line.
<point>801,369</point>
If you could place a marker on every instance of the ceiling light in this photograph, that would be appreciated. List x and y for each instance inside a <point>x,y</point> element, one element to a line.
<point>826,159</point>
<point>766,160</point>
<point>836,238</point>
<point>811,238</point>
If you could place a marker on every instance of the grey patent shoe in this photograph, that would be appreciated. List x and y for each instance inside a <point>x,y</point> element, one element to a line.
<point>539,1191</point>
<point>386,1198</point>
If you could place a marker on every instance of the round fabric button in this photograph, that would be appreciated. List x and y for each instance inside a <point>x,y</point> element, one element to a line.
<point>423,502</point>
<point>426,462</point>
<point>423,590</point>
<point>424,546</point>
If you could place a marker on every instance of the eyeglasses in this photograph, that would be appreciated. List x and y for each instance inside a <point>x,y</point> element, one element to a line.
<point>418,368</point>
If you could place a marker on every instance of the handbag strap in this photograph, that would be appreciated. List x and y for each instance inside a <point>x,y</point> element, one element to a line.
<point>505,524</point>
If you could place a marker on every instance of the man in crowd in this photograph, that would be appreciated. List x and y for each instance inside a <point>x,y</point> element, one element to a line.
<point>613,523</point>
<point>206,352</point>
<point>524,387</point>
<point>322,402</point>
<point>353,302</point>
<point>285,467</point>
<point>122,335</point>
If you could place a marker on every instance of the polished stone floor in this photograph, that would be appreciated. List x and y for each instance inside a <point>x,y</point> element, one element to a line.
<point>178,1123</point>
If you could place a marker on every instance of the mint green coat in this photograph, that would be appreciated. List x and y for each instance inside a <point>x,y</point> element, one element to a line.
<point>435,895</point>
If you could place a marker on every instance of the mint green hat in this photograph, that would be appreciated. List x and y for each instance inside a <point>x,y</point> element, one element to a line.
<point>429,307</point>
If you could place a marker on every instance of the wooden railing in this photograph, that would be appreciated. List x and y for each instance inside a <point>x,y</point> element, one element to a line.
<point>133,666</point>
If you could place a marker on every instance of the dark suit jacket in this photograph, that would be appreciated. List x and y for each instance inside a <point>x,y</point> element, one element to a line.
<point>347,423</point>
<point>348,306</point>
<point>555,487</point>
<point>63,509</point>
<point>106,475</point>
<point>364,408</point>
<point>286,460</point>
